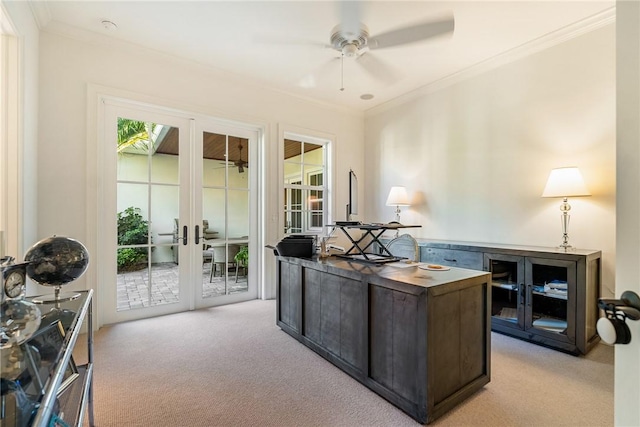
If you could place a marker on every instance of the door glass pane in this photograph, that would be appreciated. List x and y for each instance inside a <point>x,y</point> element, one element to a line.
<point>549,298</point>
<point>214,260</point>
<point>213,213</point>
<point>238,222</point>
<point>164,283</point>
<point>164,158</point>
<point>238,163</point>
<point>133,285</point>
<point>133,162</point>
<point>147,203</point>
<point>164,223</point>
<point>504,290</point>
<point>214,157</point>
<point>239,262</point>
<point>225,212</point>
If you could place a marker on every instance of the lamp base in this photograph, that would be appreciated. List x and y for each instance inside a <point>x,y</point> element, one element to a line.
<point>565,247</point>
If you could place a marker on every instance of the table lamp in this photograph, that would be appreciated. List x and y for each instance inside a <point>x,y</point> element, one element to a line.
<point>398,197</point>
<point>565,183</point>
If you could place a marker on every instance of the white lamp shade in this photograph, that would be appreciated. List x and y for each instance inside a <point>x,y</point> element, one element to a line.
<point>398,197</point>
<point>565,182</point>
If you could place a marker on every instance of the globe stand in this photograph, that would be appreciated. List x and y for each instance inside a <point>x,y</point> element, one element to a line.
<point>57,296</point>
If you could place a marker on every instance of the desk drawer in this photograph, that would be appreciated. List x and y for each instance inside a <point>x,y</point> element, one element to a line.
<point>452,257</point>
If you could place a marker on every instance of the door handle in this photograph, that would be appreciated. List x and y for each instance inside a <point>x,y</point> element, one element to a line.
<point>522,287</point>
<point>184,235</point>
<point>197,234</point>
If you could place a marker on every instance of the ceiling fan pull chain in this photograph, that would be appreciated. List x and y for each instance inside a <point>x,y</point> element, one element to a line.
<point>342,72</point>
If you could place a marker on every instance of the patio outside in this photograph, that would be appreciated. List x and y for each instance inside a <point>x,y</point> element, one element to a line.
<point>133,287</point>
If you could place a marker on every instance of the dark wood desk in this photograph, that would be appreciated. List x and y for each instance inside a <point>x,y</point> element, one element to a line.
<point>418,338</point>
<point>358,253</point>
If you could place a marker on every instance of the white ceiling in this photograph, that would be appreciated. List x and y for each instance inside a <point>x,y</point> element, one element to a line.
<point>283,44</point>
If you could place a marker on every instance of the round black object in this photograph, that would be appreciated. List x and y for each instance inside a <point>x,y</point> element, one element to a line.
<point>56,261</point>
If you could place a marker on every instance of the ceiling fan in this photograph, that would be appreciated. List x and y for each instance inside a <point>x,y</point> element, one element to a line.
<point>240,163</point>
<point>351,38</point>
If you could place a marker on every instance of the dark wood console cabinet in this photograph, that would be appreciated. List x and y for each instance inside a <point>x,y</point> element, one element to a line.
<point>543,295</point>
<point>420,339</point>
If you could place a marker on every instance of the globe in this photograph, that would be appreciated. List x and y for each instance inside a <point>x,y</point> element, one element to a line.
<point>56,261</point>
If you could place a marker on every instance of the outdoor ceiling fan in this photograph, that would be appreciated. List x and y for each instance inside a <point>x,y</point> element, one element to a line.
<point>352,39</point>
<point>240,163</point>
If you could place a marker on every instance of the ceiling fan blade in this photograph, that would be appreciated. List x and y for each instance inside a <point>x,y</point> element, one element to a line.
<point>287,40</point>
<point>327,68</point>
<point>350,17</point>
<point>377,68</point>
<point>412,34</point>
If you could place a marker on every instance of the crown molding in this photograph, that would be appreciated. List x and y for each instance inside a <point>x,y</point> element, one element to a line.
<point>41,13</point>
<point>81,35</point>
<point>592,23</point>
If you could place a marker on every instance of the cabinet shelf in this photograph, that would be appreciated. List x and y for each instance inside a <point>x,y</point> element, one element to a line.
<point>507,286</point>
<point>561,296</point>
<point>551,324</point>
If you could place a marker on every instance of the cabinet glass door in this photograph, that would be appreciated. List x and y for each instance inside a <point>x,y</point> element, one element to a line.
<point>551,289</point>
<point>507,289</point>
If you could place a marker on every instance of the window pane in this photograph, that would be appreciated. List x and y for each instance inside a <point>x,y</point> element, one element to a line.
<point>313,154</point>
<point>292,148</point>
<point>292,172</point>
<point>304,167</point>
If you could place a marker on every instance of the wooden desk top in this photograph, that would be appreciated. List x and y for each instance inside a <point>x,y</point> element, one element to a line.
<point>395,271</point>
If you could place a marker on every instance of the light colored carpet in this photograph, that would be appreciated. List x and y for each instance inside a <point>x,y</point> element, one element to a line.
<point>232,366</point>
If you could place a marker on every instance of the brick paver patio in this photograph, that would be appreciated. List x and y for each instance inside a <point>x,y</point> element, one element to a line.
<point>133,291</point>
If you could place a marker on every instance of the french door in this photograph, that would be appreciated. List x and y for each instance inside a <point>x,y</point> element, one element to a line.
<point>181,195</point>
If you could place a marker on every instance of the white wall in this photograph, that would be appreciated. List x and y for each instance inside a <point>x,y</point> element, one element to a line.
<point>68,65</point>
<point>476,155</point>
<point>627,375</point>
<point>27,132</point>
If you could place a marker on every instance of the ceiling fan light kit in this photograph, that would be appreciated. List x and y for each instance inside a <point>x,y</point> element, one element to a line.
<point>348,43</point>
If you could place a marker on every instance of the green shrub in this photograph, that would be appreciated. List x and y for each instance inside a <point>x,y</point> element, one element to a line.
<point>242,257</point>
<point>133,229</point>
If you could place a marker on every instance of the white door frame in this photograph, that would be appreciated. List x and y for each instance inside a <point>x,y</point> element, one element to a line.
<point>11,155</point>
<point>100,160</point>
